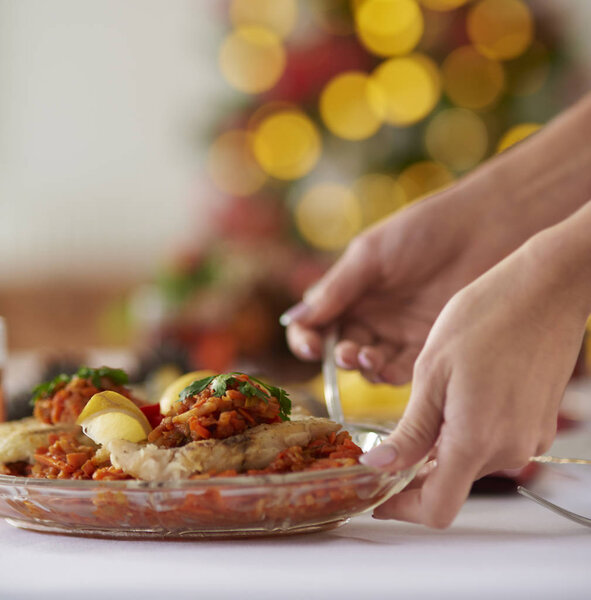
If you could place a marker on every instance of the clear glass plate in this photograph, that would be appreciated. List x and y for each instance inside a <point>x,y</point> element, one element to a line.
<point>242,506</point>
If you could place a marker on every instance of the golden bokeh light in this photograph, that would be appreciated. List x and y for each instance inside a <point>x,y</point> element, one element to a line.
<point>328,216</point>
<point>352,106</point>
<point>287,144</point>
<point>442,5</point>
<point>232,166</point>
<point>500,29</point>
<point>457,138</point>
<point>279,16</point>
<point>252,59</point>
<point>471,80</point>
<point>267,109</point>
<point>388,27</point>
<point>422,178</point>
<point>410,86</point>
<point>379,195</point>
<point>516,134</point>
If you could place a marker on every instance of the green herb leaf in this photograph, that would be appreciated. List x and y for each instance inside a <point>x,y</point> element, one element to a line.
<point>49,387</point>
<point>284,404</point>
<point>248,389</point>
<point>195,388</point>
<point>117,376</point>
<point>222,382</point>
<point>281,395</point>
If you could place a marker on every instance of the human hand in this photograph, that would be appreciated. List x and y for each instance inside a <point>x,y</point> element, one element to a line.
<point>488,384</point>
<point>392,282</point>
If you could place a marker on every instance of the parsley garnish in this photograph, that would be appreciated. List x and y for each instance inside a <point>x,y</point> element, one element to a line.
<point>117,376</point>
<point>49,387</point>
<point>196,387</point>
<point>43,390</point>
<point>221,383</point>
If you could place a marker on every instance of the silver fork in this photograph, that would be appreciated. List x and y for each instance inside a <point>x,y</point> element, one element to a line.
<point>554,507</point>
<point>550,505</point>
<point>366,436</point>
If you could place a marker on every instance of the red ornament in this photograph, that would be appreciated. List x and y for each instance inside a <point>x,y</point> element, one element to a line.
<point>310,67</point>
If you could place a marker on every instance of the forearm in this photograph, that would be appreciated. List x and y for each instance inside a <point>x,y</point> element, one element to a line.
<point>539,182</point>
<point>561,257</point>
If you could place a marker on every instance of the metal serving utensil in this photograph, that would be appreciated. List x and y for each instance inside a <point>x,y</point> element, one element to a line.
<point>572,516</point>
<point>559,510</point>
<point>365,435</point>
<point>557,460</point>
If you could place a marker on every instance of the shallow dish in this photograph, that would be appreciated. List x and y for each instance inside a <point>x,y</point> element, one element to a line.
<point>222,507</point>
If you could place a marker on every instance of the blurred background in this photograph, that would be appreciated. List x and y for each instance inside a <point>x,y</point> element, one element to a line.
<point>175,174</point>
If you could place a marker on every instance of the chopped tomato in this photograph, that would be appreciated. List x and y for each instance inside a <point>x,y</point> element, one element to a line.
<point>153,414</point>
<point>198,429</point>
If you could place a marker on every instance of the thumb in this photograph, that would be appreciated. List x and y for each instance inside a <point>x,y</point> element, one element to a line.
<point>413,438</point>
<point>346,280</point>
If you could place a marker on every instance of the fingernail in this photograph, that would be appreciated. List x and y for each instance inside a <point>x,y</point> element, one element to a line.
<point>306,351</point>
<point>364,361</point>
<point>341,363</point>
<point>294,313</point>
<point>312,293</point>
<point>381,456</point>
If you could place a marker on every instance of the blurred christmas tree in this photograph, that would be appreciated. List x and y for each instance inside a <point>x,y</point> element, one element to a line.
<point>343,112</point>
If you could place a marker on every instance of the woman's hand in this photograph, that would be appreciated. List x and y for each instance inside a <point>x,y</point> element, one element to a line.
<point>392,282</point>
<point>489,382</point>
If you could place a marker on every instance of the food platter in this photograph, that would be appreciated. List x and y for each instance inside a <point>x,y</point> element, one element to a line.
<point>226,460</point>
<point>218,507</point>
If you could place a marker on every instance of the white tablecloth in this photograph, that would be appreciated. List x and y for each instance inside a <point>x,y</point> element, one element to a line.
<point>498,546</point>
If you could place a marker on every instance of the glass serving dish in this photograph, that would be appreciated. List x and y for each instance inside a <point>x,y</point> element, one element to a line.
<point>221,507</point>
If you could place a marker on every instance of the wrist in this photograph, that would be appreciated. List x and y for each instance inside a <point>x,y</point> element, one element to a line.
<point>560,257</point>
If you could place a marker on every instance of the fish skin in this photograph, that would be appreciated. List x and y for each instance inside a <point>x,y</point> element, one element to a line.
<point>256,448</point>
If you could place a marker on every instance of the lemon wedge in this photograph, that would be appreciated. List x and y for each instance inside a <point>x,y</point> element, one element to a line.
<point>110,416</point>
<point>363,400</point>
<point>171,393</point>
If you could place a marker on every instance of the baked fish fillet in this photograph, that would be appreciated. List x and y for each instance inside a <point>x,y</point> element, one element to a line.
<point>256,448</point>
<point>20,439</point>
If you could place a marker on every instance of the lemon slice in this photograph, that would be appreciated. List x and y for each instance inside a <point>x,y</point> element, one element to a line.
<point>110,416</point>
<point>171,393</point>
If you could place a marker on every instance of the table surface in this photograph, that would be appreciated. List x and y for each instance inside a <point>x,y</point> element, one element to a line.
<point>497,545</point>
